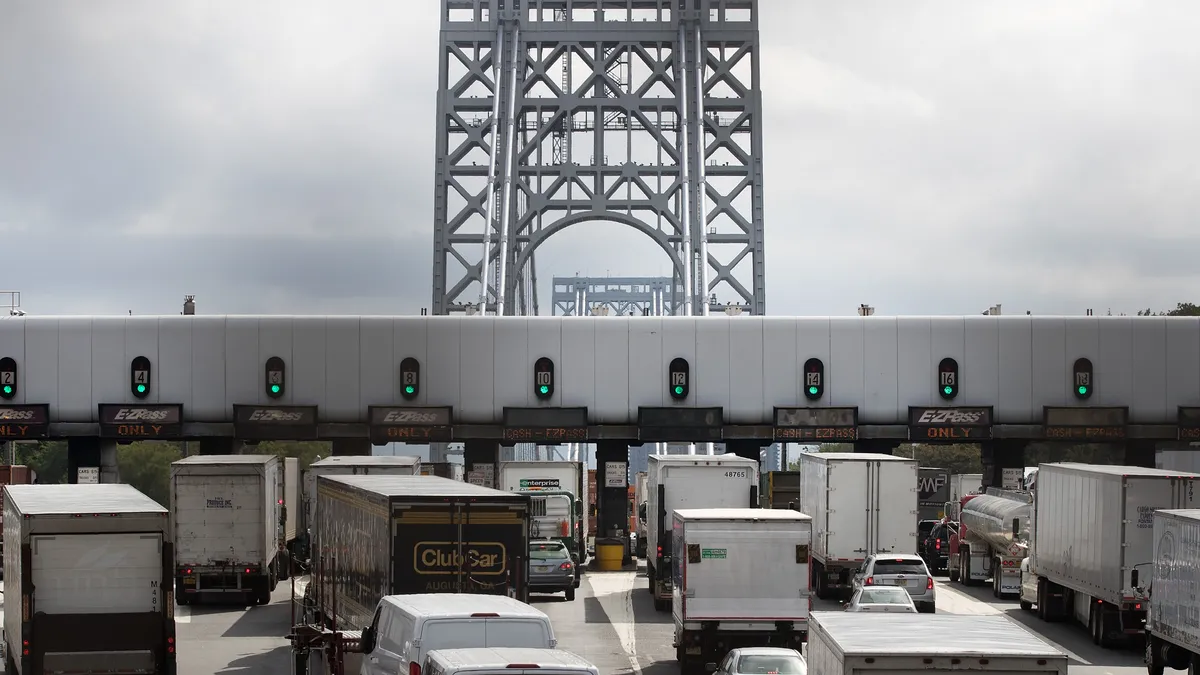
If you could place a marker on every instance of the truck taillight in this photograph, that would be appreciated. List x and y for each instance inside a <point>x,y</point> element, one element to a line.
<point>414,668</point>
<point>937,544</point>
<point>870,581</point>
<point>929,584</point>
<point>25,647</point>
<point>170,645</point>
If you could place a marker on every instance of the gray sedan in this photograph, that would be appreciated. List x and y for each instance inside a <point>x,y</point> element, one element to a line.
<point>551,569</point>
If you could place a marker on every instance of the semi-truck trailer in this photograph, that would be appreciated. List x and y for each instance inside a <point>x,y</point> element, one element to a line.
<point>348,465</point>
<point>847,643</point>
<point>384,535</point>
<point>1091,527</point>
<point>741,580</point>
<point>861,504</point>
<point>781,489</point>
<point>689,482</point>
<point>90,570</point>
<point>228,521</point>
<point>1173,576</point>
<point>557,491</point>
<point>992,540</point>
<point>10,474</point>
<point>933,491</point>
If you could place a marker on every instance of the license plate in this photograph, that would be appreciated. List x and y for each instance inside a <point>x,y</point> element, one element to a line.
<point>693,650</point>
<point>901,582</point>
<point>189,581</point>
<point>543,569</point>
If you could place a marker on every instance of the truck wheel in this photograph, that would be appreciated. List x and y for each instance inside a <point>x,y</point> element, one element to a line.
<point>283,566</point>
<point>953,576</point>
<point>570,594</point>
<point>263,594</point>
<point>10,666</point>
<point>660,604</point>
<point>1026,605</point>
<point>1154,666</point>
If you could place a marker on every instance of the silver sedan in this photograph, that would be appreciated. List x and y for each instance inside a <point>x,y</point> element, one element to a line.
<point>881,599</point>
<point>760,661</point>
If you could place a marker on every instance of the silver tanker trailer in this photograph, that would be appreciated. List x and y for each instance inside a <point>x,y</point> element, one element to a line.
<point>993,539</point>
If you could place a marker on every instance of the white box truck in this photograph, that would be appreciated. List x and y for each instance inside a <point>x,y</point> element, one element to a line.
<point>963,484</point>
<point>639,501</point>
<point>345,465</point>
<point>227,516</point>
<point>558,491</point>
<point>848,643</point>
<point>1173,622</point>
<point>89,581</point>
<point>1091,526</point>
<point>861,504</point>
<point>689,482</point>
<point>741,580</point>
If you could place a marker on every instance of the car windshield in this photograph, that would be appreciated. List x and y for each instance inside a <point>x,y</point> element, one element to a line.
<point>883,596</point>
<point>890,566</point>
<point>771,664</point>
<point>547,552</point>
<point>925,527</point>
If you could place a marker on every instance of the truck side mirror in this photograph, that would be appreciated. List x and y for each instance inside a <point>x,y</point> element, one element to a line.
<point>642,511</point>
<point>1133,578</point>
<point>368,640</point>
<point>1016,531</point>
<point>579,506</point>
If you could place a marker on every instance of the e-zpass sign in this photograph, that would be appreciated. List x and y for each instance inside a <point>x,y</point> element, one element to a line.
<point>952,416</point>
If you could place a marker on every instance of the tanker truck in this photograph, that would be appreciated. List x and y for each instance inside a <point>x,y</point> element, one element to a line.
<point>992,540</point>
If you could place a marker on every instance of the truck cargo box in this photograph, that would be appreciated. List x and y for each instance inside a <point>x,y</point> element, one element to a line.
<point>451,470</point>
<point>227,516</point>
<point>558,491</point>
<point>847,643</point>
<point>351,465</point>
<point>1092,524</point>
<point>1174,580</point>
<point>741,580</point>
<point>94,565</point>
<point>781,488</point>
<point>395,534</point>
<point>861,504</point>
<point>689,482</point>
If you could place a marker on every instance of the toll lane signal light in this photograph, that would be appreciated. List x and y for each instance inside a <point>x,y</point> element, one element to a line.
<point>543,378</point>
<point>814,379</point>
<point>8,378</point>
<point>276,379</point>
<point>139,376</point>
<point>1084,380</point>
<point>410,378</point>
<point>679,378</point>
<point>948,378</point>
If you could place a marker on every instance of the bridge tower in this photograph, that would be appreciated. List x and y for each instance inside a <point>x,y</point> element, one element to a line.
<point>553,113</point>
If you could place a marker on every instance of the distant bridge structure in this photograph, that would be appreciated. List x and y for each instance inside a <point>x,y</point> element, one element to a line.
<point>560,113</point>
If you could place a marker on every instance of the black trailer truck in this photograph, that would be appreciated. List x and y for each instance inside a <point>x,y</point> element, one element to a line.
<point>380,535</point>
<point>102,559</point>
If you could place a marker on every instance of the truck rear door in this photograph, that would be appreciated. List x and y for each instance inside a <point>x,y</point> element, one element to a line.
<point>97,573</point>
<point>218,519</point>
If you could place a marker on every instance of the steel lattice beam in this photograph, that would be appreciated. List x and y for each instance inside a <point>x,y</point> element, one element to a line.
<point>553,113</point>
<point>637,296</point>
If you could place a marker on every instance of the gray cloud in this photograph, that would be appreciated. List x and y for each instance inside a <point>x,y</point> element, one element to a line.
<point>923,157</point>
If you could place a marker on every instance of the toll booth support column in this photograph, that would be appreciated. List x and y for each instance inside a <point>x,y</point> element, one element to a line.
<point>612,493</point>
<point>479,462</point>
<point>96,456</point>
<point>879,446</point>
<point>345,447</point>
<point>218,446</point>
<point>999,455</point>
<point>1141,453</point>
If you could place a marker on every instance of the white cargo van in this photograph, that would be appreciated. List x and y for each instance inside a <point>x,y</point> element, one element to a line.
<point>407,627</point>
<point>506,661</point>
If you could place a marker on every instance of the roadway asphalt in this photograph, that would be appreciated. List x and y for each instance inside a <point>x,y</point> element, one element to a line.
<point>611,623</point>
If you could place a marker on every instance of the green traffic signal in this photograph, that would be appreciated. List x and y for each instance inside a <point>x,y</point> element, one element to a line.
<point>8,389</point>
<point>812,391</point>
<point>679,390</point>
<point>274,389</point>
<point>947,390</point>
<point>1083,391</point>
<point>544,389</point>
<point>410,389</point>
<point>141,388</point>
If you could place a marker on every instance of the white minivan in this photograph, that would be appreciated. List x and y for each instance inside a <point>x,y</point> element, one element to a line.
<point>506,661</point>
<point>407,627</point>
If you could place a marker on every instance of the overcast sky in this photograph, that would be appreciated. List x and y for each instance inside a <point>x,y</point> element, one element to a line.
<point>922,157</point>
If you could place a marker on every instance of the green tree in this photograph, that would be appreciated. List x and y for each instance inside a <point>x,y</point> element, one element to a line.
<point>47,458</point>
<point>1181,309</point>
<point>953,457</point>
<point>306,451</point>
<point>146,465</point>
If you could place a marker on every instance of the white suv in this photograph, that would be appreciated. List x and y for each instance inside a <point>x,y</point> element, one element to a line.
<point>905,570</point>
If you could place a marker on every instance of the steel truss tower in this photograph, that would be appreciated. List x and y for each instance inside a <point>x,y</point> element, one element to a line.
<point>553,113</point>
<point>639,296</point>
